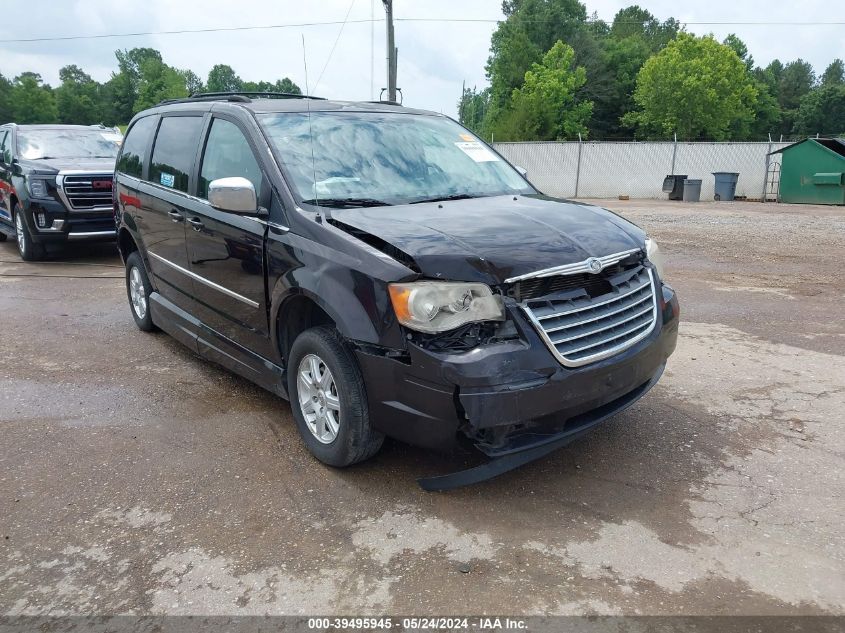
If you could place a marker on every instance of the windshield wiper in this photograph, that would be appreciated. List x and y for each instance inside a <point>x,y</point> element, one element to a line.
<point>341,203</point>
<point>454,196</point>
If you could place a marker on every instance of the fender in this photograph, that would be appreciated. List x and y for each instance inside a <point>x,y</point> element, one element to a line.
<point>346,278</point>
<point>128,223</point>
<point>19,191</point>
<point>348,298</point>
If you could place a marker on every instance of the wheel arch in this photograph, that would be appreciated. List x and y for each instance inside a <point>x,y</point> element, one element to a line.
<point>126,243</point>
<point>348,301</point>
<point>298,312</point>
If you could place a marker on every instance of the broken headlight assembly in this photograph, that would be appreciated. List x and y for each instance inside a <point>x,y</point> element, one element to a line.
<point>655,256</point>
<point>440,306</point>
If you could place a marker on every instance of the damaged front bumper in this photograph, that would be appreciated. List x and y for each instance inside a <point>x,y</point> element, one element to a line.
<point>513,397</point>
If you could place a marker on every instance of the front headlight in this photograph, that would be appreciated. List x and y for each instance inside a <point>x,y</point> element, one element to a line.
<point>38,188</point>
<point>655,256</point>
<point>439,306</point>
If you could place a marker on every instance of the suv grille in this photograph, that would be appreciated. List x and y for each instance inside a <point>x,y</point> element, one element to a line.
<point>538,287</point>
<point>582,329</point>
<point>88,191</point>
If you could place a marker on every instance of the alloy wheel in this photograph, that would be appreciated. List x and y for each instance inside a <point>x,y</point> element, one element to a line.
<point>137,294</point>
<point>19,233</point>
<point>318,398</point>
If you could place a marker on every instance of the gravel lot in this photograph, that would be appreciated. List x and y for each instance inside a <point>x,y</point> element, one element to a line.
<point>135,478</point>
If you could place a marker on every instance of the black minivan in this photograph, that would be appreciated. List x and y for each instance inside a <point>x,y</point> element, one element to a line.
<point>387,272</point>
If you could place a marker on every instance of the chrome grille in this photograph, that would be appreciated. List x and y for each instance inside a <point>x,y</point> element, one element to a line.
<point>87,191</point>
<point>579,329</point>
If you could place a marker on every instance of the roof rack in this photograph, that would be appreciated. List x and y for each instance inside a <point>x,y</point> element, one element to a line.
<point>238,96</point>
<point>256,93</point>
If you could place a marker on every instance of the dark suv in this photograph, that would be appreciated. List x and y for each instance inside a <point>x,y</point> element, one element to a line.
<point>389,274</point>
<point>56,184</point>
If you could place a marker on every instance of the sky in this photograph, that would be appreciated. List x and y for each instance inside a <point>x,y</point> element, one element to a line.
<point>434,57</point>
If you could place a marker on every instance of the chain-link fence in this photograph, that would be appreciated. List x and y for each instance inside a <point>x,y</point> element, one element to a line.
<point>607,169</point>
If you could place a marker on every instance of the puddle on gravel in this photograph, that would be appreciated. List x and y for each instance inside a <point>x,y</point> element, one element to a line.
<point>765,521</point>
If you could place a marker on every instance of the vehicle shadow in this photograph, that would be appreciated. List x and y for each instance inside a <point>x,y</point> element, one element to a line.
<point>95,253</point>
<point>80,253</point>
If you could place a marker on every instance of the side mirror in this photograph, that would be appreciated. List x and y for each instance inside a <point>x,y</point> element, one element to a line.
<point>522,171</point>
<point>236,195</point>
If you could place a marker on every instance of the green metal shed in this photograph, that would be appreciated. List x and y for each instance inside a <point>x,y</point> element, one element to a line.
<point>813,172</point>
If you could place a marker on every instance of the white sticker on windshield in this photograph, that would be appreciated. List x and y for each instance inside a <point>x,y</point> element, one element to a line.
<point>477,152</point>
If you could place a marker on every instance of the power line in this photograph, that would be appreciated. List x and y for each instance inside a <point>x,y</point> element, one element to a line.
<point>632,22</point>
<point>182,31</point>
<point>371,20</point>
<point>336,40</point>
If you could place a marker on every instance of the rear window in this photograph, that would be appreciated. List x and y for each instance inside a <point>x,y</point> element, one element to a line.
<point>135,147</point>
<point>175,148</point>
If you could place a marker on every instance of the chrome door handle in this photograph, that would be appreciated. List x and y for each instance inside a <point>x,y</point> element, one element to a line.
<point>196,223</point>
<point>175,216</point>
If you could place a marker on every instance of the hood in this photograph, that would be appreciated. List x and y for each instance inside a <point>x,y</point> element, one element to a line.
<point>493,239</point>
<point>55,165</point>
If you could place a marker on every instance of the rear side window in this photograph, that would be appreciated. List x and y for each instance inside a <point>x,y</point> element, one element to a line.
<point>175,148</point>
<point>228,154</point>
<point>135,147</point>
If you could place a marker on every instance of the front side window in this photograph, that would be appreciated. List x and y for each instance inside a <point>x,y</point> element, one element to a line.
<point>5,150</point>
<point>44,144</point>
<point>135,146</point>
<point>386,157</point>
<point>227,154</point>
<point>174,151</point>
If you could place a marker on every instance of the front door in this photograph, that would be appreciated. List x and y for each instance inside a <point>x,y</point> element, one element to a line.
<point>164,198</point>
<point>5,176</point>
<point>226,250</point>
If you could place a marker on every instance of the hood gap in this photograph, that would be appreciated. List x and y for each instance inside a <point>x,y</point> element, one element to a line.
<point>377,243</point>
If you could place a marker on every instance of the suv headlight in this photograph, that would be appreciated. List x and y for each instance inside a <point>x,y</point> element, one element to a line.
<point>38,188</point>
<point>439,306</point>
<point>655,256</point>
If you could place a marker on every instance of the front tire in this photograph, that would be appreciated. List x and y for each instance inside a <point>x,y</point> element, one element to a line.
<point>138,289</point>
<point>328,399</point>
<point>29,250</point>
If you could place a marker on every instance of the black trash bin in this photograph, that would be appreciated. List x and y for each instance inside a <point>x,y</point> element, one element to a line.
<point>674,186</point>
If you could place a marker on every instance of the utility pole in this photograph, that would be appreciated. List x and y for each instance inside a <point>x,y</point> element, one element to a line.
<point>392,51</point>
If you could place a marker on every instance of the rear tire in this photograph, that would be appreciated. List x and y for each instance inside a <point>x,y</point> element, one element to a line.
<point>29,250</point>
<point>138,289</point>
<point>328,399</point>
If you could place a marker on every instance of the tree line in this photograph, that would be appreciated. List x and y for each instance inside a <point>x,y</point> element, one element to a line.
<point>142,80</point>
<point>556,72</point>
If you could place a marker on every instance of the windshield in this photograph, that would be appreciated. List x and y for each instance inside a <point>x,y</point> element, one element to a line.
<point>371,158</point>
<point>69,143</point>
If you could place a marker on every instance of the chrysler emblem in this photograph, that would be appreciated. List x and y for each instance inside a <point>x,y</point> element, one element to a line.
<point>594,264</point>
